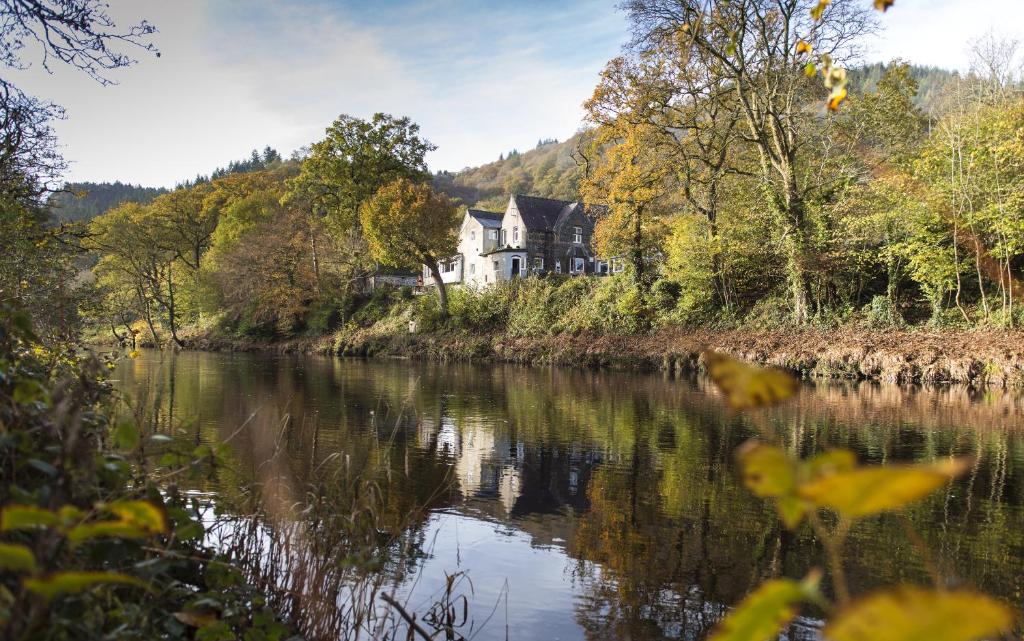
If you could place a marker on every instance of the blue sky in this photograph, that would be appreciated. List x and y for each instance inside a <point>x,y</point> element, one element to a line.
<point>479,77</point>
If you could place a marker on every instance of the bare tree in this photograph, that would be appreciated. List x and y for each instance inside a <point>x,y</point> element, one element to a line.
<point>79,33</point>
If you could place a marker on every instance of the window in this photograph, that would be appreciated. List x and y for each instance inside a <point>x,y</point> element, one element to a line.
<point>504,236</point>
<point>472,268</point>
<point>495,266</point>
<point>472,235</point>
<point>558,266</point>
<point>538,263</point>
<point>577,235</point>
<point>515,234</point>
<point>618,266</point>
<point>577,265</point>
<point>492,234</point>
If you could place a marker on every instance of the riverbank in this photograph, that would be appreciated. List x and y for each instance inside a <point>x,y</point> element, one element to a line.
<point>979,358</point>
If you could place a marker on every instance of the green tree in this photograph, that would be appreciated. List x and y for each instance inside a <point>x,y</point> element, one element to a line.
<point>354,160</point>
<point>408,223</point>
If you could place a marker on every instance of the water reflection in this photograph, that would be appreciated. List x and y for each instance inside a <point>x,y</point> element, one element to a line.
<point>598,505</point>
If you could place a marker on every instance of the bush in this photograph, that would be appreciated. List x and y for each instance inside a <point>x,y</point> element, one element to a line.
<point>881,313</point>
<point>665,294</point>
<point>324,315</point>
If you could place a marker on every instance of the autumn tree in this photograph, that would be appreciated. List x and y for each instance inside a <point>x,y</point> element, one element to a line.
<point>755,47</point>
<point>407,224</point>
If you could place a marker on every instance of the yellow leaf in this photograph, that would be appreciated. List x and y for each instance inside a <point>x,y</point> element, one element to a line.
<point>143,514</point>
<point>133,354</point>
<point>748,386</point>
<point>74,582</point>
<point>883,5</point>
<point>827,462</point>
<point>767,470</point>
<point>810,69</point>
<point>16,558</point>
<point>803,47</point>
<point>870,490</point>
<point>819,9</point>
<point>914,614</point>
<point>836,98</point>
<point>763,613</point>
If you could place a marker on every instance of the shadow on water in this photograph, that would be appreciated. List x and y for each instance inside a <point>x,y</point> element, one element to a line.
<point>572,505</point>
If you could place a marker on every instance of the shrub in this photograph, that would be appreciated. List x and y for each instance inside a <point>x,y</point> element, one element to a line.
<point>881,313</point>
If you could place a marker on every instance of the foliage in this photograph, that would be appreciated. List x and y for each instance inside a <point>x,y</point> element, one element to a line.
<point>90,546</point>
<point>408,224</point>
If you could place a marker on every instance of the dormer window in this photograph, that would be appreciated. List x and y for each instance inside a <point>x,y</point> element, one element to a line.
<point>472,235</point>
<point>577,235</point>
<point>515,234</point>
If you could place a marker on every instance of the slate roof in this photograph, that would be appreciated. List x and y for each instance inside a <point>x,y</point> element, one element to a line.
<point>540,213</point>
<point>547,213</point>
<point>486,218</point>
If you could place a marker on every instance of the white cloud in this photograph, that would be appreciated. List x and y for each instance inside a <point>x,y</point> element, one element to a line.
<point>479,77</point>
<point>937,32</point>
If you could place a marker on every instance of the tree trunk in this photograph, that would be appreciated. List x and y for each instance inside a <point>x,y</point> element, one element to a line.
<point>442,294</point>
<point>117,337</point>
<point>171,313</point>
<point>795,246</point>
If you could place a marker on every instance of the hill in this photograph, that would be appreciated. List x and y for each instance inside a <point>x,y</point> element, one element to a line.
<point>83,201</point>
<point>549,170</point>
<point>931,83</point>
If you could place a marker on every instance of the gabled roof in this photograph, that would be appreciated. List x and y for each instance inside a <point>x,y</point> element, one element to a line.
<point>486,218</point>
<point>539,213</point>
<point>547,213</point>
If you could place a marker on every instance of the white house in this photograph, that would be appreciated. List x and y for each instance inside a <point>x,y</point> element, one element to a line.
<point>533,236</point>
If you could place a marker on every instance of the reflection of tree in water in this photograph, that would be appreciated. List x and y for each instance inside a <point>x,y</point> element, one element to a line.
<point>635,472</point>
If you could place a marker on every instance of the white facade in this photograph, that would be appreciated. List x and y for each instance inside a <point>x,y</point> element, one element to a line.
<point>483,257</point>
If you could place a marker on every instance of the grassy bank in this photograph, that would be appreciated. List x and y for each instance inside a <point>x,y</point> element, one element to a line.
<point>591,323</point>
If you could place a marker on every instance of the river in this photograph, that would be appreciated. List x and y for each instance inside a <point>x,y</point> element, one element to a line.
<point>593,505</point>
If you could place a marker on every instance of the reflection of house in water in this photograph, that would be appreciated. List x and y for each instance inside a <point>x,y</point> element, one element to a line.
<point>494,469</point>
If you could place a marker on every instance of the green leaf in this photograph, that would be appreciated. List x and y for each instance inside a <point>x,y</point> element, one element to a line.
<point>870,490</point>
<point>763,613</point>
<point>74,582</point>
<point>914,614</point>
<point>17,558</point>
<point>43,467</point>
<point>24,517</point>
<point>126,435</point>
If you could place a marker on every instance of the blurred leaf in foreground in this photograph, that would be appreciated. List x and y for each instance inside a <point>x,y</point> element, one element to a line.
<point>765,611</point>
<point>748,386</point>
<point>869,490</point>
<point>914,614</point>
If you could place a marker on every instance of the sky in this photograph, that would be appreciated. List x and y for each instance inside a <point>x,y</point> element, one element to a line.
<point>480,77</point>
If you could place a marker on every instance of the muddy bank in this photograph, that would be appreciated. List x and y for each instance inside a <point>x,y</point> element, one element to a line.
<point>978,358</point>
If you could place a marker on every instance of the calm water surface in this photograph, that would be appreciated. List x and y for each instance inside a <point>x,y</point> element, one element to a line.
<point>585,505</point>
